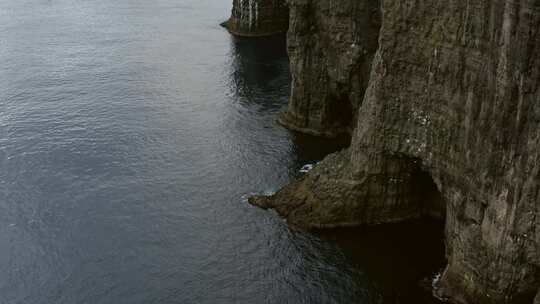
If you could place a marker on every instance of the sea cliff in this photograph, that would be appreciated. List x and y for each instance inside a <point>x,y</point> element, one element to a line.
<point>253,18</point>
<point>442,101</point>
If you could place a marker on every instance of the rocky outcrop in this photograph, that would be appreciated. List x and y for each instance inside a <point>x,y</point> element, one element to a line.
<point>253,18</point>
<point>331,46</point>
<point>330,197</point>
<point>452,106</point>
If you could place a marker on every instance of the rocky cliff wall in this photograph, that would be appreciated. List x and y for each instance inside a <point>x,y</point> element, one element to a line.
<point>453,94</point>
<point>258,17</point>
<point>331,46</point>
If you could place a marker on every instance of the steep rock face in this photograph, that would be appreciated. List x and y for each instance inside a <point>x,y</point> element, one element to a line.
<point>331,46</point>
<point>454,92</point>
<point>258,17</point>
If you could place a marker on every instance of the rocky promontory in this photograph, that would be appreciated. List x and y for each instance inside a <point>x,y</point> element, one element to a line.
<point>442,100</point>
<point>255,18</point>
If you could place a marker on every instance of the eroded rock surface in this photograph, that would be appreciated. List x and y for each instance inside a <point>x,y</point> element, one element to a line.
<point>331,46</point>
<point>258,17</point>
<point>454,92</point>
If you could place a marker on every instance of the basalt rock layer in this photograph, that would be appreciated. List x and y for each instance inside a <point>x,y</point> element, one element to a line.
<point>450,116</point>
<point>254,18</point>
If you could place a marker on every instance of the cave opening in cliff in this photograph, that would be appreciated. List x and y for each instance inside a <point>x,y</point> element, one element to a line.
<point>406,258</point>
<point>420,243</point>
<point>403,260</point>
<point>426,193</point>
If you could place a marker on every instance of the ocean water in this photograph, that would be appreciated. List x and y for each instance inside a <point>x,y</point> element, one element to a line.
<point>131,133</point>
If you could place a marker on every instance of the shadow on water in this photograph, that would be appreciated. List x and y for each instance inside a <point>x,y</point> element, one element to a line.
<point>309,150</point>
<point>401,259</point>
<point>313,149</point>
<point>260,68</point>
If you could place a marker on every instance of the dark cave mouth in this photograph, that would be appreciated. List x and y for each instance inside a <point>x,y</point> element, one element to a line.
<point>417,244</point>
<point>406,258</point>
<point>427,195</point>
<point>401,189</point>
<point>403,260</point>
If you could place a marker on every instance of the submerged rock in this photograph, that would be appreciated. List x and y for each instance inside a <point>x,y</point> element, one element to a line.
<point>253,18</point>
<point>450,116</point>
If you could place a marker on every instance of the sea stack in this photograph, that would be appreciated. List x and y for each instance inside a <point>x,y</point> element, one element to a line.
<point>442,101</point>
<point>257,18</point>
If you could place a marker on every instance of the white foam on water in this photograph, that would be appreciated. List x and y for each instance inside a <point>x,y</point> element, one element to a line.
<point>436,280</point>
<point>435,285</point>
<point>306,168</point>
<point>244,198</point>
<point>269,192</point>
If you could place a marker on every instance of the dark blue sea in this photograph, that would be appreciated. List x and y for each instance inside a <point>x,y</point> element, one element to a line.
<point>131,134</point>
